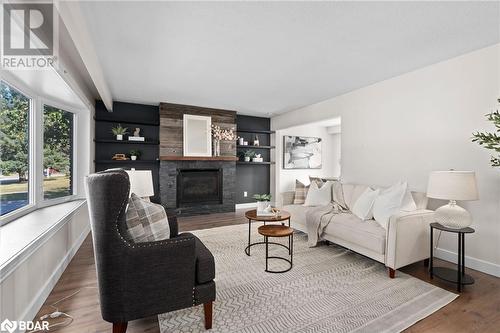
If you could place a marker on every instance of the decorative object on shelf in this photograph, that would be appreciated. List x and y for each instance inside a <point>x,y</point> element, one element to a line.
<point>141,183</point>
<point>301,152</point>
<point>134,154</point>
<point>216,144</point>
<point>197,140</point>
<point>136,136</point>
<point>245,143</point>
<point>119,157</point>
<point>241,141</point>
<point>263,204</point>
<point>491,140</point>
<point>258,158</point>
<point>119,131</point>
<point>248,155</point>
<point>452,185</point>
<point>256,140</point>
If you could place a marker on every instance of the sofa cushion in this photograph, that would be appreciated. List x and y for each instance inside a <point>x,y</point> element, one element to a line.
<point>205,263</point>
<point>298,216</point>
<point>363,207</point>
<point>317,196</point>
<point>300,193</point>
<point>352,192</point>
<point>368,234</point>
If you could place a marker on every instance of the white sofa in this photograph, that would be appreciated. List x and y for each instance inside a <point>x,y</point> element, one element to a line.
<point>405,241</point>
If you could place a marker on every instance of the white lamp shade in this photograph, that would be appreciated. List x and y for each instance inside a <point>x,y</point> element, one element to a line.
<point>452,185</point>
<point>141,182</point>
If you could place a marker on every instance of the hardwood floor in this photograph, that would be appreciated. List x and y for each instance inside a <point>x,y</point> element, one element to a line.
<point>476,310</point>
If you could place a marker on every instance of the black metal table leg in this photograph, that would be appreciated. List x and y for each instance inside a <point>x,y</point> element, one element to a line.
<point>463,254</point>
<point>431,265</point>
<point>266,239</point>
<point>459,265</point>
<point>249,236</point>
<point>291,251</point>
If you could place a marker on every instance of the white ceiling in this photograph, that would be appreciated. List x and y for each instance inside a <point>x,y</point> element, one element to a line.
<point>266,58</point>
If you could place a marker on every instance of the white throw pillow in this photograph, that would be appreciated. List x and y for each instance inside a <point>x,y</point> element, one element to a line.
<point>319,196</point>
<point>364,205</point>
<point>389,203</point>
<point>408,204</point>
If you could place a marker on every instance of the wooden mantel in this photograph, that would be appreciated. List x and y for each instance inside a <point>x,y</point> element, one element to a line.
<point>198,158</point>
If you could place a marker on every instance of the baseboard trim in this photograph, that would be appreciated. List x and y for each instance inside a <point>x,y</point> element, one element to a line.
<point>250,205</point>
<point>246,205</point>
<point>470,262</point>
<point>44,292</point>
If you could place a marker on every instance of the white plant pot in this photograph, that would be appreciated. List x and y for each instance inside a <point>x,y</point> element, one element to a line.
<point>247,159</point>
<point>133,158</point>
<point>119,137</point>
<point>261,205</point>
<point>240,141</point>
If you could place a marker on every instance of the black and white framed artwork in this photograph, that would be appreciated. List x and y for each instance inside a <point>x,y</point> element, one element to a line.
<point>300,152</point>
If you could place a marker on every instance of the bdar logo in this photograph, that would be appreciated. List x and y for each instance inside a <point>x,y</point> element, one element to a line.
<point>8,326</point>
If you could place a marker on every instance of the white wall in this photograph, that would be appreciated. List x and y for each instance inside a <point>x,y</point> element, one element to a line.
<point>285,178</point>
<point>407,126</point>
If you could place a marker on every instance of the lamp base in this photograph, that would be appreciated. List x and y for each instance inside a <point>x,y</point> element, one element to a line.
<point>453,216</point>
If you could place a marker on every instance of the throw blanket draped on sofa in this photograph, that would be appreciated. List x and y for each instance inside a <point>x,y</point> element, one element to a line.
<point>318,218</point>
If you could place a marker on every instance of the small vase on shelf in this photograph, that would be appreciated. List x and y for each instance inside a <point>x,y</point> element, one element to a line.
<point>216,148</point>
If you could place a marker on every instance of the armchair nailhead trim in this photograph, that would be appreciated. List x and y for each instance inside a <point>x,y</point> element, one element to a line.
<point>194,298</point>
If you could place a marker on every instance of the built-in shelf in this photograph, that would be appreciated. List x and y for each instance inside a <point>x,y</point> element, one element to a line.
<point>255,147</point>
<point>255,163</point>
<point>146,123</point>
<point>125,162</point>
<point>199,158</point>
<point>128,142</point>
<point>255,131</point>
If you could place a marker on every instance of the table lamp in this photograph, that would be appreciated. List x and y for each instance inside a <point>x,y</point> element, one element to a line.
<point>141,183</point>
<point>453,185</point>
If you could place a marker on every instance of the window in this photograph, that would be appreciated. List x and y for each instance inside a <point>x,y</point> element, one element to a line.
<point>57,152</point>
<point>14,149</point>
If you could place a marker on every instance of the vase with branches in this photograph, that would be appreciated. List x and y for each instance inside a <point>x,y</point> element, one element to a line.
<point>491,140</point>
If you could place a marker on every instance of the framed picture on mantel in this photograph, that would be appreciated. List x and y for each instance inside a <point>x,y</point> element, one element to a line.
<point>300,152</point>
<point>197,135</point>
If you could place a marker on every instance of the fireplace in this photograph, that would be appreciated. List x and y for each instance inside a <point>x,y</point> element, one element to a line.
<point>199,187</point>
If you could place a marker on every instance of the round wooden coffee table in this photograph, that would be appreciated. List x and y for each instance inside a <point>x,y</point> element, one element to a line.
<point>252,216</point>
<point>277,231</point>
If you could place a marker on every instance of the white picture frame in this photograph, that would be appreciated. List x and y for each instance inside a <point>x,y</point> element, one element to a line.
<point>197,135</point>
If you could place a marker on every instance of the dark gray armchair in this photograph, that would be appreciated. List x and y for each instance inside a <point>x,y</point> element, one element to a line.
<point>138,280</point>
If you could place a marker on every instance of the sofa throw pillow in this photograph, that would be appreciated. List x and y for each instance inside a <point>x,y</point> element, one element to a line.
<point>363,208</point>
<point>388,203</point>
<point>320,182</point>
<point>300,193</point>
<point>408,204</point>
<point>146,221</point>
<point>338,194</point>
<point>319,196</point>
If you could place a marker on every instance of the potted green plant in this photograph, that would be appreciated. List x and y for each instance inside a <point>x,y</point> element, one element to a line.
<point>263,201</point>
<point>491,140</point>
<point>119,131</point>
<point>248,155</point>
<point>134,154</point>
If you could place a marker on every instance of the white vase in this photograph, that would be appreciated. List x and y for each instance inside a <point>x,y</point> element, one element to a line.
<point>247,158</point>
<point>133,158</point>
<point>262,205</point>
<point>119,137</point>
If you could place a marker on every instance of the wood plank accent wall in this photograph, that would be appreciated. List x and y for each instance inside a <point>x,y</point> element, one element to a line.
<point>171,123</point>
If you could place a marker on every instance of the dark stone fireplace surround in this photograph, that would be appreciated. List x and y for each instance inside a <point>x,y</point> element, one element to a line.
<point>169,172</point>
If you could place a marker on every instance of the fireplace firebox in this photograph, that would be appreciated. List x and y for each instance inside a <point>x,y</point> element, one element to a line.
<point>198,187</point>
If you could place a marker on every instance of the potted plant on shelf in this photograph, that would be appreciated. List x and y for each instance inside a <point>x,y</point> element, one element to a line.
<point>134,154</point>
<point>119,131</point>
<point>248,155</point>
<point>263,201</point>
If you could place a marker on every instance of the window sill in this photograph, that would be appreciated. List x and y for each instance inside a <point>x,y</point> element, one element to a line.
<point>19,238</point>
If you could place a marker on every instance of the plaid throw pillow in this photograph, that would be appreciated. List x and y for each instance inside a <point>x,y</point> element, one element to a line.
<point>300,193</point>
<point>146,221</point>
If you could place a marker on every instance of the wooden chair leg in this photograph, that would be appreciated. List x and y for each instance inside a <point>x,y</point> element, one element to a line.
<point>120,327</point>
<point>392,273</point>
<point>207,307</point>
<point>426,262</point>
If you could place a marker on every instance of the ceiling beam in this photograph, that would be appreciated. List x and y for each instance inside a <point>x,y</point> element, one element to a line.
<point>72,17</point>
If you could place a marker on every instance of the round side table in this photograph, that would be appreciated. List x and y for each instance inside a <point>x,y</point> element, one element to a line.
<point>457,276</point>
<point>277,231</point>
<point>252,216</point>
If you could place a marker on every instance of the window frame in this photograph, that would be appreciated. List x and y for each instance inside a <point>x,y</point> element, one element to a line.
<point>35,152</point>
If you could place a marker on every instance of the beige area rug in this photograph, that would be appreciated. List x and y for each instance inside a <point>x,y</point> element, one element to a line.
<point>329,289</point>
